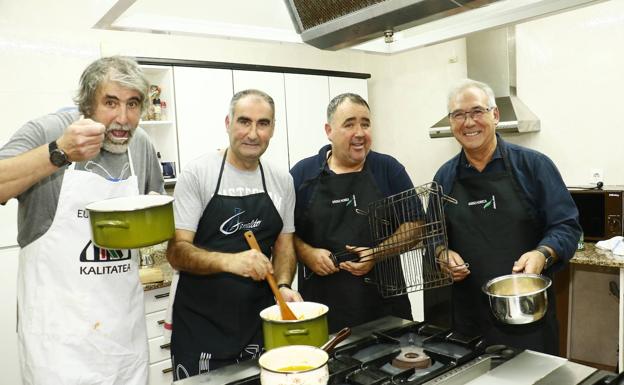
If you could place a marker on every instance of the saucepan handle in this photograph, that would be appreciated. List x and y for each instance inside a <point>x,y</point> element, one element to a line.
<point>296,332</point>
<point>112,223</point>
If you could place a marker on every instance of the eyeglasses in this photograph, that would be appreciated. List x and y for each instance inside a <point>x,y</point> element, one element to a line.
<point>475,114</point>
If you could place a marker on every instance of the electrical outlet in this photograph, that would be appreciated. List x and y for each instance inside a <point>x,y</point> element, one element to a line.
<point>596,175</point>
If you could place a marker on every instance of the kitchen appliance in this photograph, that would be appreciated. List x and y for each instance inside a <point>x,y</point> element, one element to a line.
<point>600,211</point>
<point>518,299</point>
<point>369,356</point>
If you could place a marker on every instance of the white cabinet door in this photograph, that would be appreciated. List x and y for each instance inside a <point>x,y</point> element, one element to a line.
<point>202,103</point>
<point>339,86</point>
<point>273,84</point>
<point>306,104</point>
<point>9,362</point>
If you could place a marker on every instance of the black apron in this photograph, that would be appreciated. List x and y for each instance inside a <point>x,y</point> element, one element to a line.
<point>216,316</point>
<point>492,225</point>
<point>330,221</point>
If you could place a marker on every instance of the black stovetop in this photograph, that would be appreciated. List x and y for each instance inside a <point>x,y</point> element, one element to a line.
<point>373,356</point>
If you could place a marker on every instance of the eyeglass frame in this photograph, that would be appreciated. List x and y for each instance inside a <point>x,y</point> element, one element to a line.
<point>466,113</point>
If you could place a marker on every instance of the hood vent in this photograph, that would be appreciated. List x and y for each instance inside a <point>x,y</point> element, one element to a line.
<point>335,24</point>
<point>491,58</point>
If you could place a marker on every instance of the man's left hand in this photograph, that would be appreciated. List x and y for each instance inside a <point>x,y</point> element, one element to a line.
<point>531,262</point>
<point>364,265</point>
<point>290,295</point>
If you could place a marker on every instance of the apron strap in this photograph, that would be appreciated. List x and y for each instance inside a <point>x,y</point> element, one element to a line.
<point>130,162</point>
<point>223,166</point>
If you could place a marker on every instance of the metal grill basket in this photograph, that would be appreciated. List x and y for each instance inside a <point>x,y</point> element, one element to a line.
<point>407,229</point>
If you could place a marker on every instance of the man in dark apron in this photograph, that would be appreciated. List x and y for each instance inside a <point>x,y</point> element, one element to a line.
<point>514,214</point>
<point>333,192</point>
<point>221,288</point>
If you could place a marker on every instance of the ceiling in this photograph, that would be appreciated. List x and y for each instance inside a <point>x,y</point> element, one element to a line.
<point>269,20</point>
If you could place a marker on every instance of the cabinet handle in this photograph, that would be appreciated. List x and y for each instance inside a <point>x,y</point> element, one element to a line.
<point>160,322</point>
<point>163,295</point>
<point>165,346</point>
<point>167,370</point>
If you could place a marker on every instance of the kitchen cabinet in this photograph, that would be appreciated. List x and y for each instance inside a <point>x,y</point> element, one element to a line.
<point>306,104</point>
<point>160,368</point>
<point>339,85</point>
<point>202,98</point>
<point>9,359</point>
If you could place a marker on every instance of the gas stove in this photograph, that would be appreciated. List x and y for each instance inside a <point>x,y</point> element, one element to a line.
<point>393,351</point>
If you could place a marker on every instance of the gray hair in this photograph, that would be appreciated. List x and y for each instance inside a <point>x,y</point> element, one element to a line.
<point>122,70</point>
<point>469,83</point>
<point>241,94</point>
<point>336,101</point>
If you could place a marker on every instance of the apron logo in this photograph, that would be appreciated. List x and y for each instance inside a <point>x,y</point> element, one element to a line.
<point>486,204</point>
<point>347,201</point>
<point>234,224</point>
<point>92,253</point>
<point>96,254</point>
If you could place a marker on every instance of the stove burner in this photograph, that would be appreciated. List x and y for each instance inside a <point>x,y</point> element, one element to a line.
<point>411,357</point>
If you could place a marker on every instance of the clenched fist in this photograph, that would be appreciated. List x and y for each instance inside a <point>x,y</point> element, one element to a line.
<point>82,140</point>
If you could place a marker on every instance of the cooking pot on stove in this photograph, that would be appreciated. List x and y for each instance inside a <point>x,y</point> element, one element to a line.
<point>518,298</point>
<point>310,327</point>
<point>294,365</point>
<point>131,222</point>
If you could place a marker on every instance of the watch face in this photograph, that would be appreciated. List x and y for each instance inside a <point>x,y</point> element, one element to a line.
<point>58,158</point>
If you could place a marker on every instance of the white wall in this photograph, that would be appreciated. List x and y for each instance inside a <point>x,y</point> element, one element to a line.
<point>569,74</point>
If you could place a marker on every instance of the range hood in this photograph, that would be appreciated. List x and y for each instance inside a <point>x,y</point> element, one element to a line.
<point>332,24</point>
<point>491,58</point>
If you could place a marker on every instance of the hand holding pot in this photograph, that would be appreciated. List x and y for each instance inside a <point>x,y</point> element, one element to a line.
<point>531,262</point>
<point>249,263</point>
<point>290,295</point>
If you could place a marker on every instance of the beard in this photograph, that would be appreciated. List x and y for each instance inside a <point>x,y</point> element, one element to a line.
<point>117,144</point>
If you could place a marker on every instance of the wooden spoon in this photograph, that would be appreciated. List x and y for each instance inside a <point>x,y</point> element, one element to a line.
<point>287,314</point>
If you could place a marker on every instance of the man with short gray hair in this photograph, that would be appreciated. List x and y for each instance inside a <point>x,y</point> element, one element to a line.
<point>80,308</point>
<point>514,215</point>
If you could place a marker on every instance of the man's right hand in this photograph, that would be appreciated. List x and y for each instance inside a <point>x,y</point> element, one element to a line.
<point>320,262</point>
<point>82,140</point>
<point>250,264</point>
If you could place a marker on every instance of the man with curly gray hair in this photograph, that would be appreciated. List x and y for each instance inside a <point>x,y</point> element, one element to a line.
<point>80,308</point>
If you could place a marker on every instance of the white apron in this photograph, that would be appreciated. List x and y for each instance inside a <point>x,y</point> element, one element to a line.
<point>80,308</point>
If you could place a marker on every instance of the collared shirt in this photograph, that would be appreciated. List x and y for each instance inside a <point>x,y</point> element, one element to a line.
<point>541,183</point>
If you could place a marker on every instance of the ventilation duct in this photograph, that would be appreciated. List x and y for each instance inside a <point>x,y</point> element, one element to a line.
<point>491,58</point>
<point>336,24</point>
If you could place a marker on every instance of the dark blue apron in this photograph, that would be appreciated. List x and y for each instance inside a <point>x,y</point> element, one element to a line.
<point>490,236</point>
<point>216,316</point>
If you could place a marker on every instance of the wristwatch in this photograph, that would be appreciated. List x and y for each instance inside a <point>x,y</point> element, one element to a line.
<point>57,156</point>
<point>549,260</point>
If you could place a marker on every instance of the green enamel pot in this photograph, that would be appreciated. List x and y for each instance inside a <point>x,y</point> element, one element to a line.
<point>309,329</point>
<point>131,222</point>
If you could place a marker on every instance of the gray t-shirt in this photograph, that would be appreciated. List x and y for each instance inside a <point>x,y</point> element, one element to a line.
<point>37,205</point>
<point>197,183</point>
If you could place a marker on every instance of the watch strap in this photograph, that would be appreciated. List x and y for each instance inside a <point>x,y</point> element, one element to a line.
<point>549,259</point>
<point>58,157</point>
